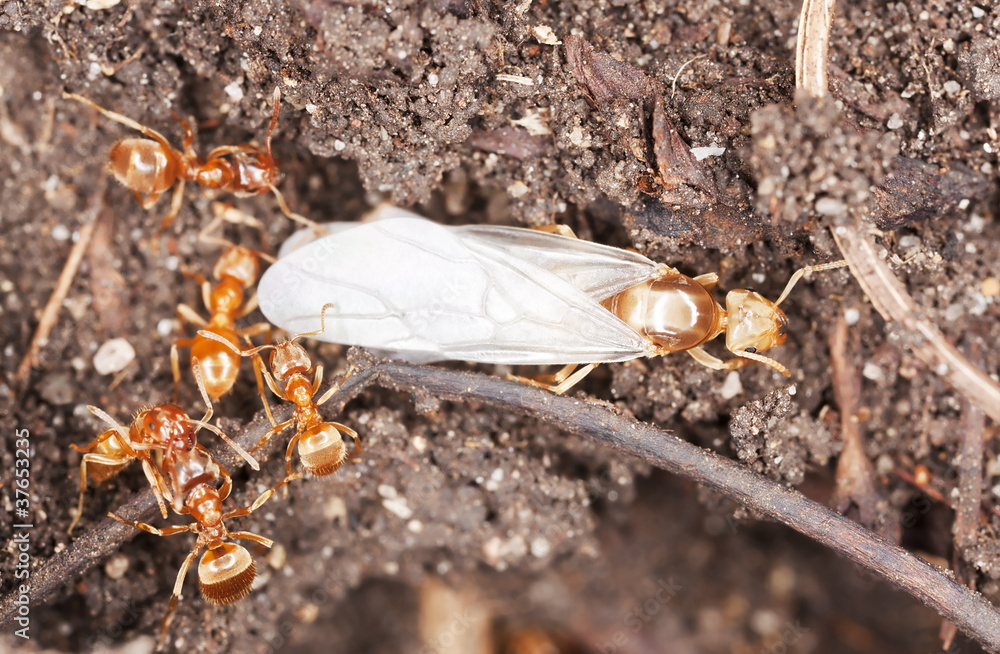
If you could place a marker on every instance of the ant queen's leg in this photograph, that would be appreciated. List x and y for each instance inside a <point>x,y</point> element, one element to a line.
<point>561,230</point>
<point>561,381</point>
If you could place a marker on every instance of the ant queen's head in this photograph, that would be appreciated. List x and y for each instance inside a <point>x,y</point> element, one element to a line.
<point>755,324</point>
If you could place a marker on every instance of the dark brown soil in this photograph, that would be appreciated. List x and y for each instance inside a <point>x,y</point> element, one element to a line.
<point>468,112</point>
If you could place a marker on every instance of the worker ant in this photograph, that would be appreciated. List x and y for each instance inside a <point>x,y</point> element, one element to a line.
<point>236,271</point>
<point>149,168</point>
<point>226,570</point>
<point>320,444</point>
<point>165,430</point>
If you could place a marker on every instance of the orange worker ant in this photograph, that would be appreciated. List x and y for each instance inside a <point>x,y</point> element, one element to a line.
<point>320,444</point>
<point>165,429</point>
<point>149,168</point>
<point>226,570</point>
<point>236,271</point>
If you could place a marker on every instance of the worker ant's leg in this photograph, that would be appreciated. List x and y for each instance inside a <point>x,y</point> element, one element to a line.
<point>265,496</point>
<point>97,459</point>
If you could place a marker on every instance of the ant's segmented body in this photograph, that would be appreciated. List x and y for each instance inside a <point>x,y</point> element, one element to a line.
<point>150,166</point>
<point>320,443</point>
<point>492,294</point>
<point>165,430</point>
<point>236,271</point>
<point>226,570</point>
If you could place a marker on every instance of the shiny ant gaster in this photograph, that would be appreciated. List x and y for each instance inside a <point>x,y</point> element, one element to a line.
<point>236,271</point>
<point>226,570</point>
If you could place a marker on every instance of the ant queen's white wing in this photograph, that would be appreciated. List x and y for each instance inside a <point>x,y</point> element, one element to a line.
<point>428,292</point>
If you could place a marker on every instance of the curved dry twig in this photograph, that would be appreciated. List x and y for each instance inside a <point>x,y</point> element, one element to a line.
<point>50,313</point>
<point>811,46</point>
<point>973,614</point>
<point>893,302</point>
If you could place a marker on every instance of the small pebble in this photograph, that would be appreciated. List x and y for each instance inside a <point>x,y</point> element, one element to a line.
<point>830,207</point>
<point>97,5</point>
<point>307,613</point>
<point>872,372</point>
<point>234,91</point>
<point>398,507</point>
<point>517,189</point>
<point>990,287</point>
<point>895,122</point>
<point>540,548</point>
<point>277,556</point>
<point>116,566</point>
<point>113,356</point>
<point>732,386</point>
<point>545,35</point>
<point>166,326</point>
<point>706,152</point>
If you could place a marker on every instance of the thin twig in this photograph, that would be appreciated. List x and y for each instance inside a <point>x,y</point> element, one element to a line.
<point>890,299</point>
<point>970,478</point>
<point>965,529</point>
<point>968,610</point>
<point>51,311</point>
<point>855,474</point>
<point>812,46</point>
